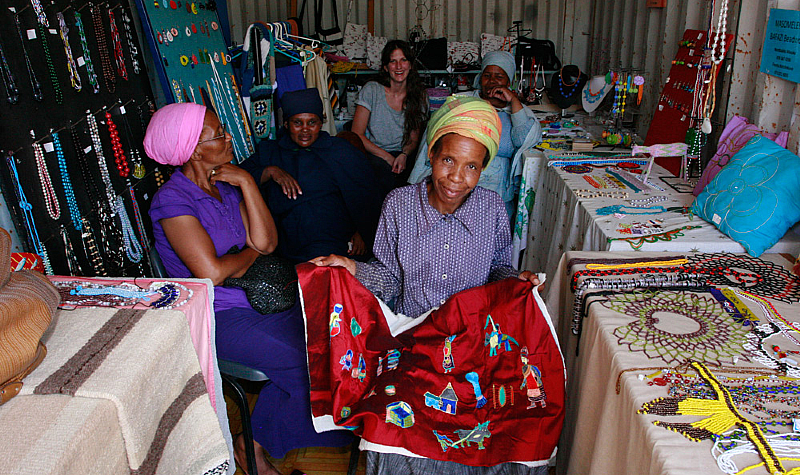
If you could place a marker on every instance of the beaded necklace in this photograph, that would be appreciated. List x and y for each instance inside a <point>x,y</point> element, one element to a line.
<point>50,66</point>
<point>72,261</point>
<point>573,86</point>
<point>119,57</point>
<point>759,277</point>
<point>94,133</point>
<point>87,56</point>
<point>592,97</point>
<point>772,315</point>
<point>637,242</point>
<point>134,50</point>
<point>623,209</point>
<point>102,45</point>
<point>40,15</point>
<point>63,31</point>
<point>72,203</point>
<point>641,202</point>
<point>12,92</point>
<point>27,213</point>
<point>138,167</point>
<point>116,145</point>
<point>132,247</point>
<point>88,178</point>
<point>91,250</point>
<point>50,200</point>
<point>35,86</point>
<point>621,195</point>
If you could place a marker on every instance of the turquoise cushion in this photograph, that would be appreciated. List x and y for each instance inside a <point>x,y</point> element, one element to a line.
<point>755,199</point>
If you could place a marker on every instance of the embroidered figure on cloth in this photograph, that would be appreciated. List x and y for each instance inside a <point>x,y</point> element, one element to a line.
<point>472,377</point>
<point>445,402</point>
<point>466,437</point>
<point>336,318</point>
<point>347,361</point>
<point>355,328</point>
<point>360,372</point>
<point>400,414</point>
<point>392,359</point>
<point>532,381</point>
<point>447,354</point>
<point>495,338</point>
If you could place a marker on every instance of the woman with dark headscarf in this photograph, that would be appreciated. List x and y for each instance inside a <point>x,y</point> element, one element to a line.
<point>391,112</point>
<point>207,207</point>
<point>521,130</point>
<point>319,188</point>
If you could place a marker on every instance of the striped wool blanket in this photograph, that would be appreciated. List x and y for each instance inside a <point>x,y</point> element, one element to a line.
<point>144,363</point>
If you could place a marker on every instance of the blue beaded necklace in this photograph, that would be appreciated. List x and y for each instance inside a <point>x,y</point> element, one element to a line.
<point>624,209</point>
<point>561,84</point>
<point>27,213</point>
<point>72,203</point>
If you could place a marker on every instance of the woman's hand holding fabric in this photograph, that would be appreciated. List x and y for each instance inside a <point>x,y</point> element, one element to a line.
<point>286,181</point>
<point>335,261</point>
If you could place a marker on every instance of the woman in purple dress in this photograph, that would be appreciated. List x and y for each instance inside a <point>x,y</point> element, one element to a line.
<point>207,207</point>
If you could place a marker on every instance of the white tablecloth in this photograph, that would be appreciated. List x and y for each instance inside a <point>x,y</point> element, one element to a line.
<point>559,221</point>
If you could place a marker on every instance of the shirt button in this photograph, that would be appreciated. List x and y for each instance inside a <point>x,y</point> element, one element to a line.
<point>444,276</point>
<point>446,246</point>
<point>441,302</point>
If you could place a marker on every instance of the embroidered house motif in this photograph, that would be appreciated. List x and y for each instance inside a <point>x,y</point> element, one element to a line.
<point>445,402</point>
<point>400,414</point>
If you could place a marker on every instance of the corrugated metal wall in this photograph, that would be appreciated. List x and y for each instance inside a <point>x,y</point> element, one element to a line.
<point>597,36</point>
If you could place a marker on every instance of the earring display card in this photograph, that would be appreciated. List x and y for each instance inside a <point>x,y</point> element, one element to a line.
<point>681,92</point>
<point>75,94</point>
<point>193,62</point>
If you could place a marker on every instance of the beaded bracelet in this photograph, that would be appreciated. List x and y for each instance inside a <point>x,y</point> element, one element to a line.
<point>622,195</point>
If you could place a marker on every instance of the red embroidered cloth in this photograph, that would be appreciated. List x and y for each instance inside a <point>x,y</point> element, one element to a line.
<point>415,391</point>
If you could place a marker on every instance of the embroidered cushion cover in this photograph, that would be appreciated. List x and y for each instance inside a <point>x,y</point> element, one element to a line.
<point>755,199</point>
<point>460,386</point>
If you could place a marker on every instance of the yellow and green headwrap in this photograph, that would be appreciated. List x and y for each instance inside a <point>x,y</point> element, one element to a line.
<point>470,117</point>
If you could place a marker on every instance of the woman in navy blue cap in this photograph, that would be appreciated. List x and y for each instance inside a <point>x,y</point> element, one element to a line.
<point>321,191</point>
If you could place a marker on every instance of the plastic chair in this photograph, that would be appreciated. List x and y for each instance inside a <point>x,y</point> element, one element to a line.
<point>231,372</point>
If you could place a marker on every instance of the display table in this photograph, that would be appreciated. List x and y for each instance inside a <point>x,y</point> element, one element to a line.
<point>559,220</point>
<point>123,390</point>
<point>603,433</point>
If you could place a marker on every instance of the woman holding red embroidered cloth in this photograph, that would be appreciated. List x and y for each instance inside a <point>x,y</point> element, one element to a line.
<point>445,234</point>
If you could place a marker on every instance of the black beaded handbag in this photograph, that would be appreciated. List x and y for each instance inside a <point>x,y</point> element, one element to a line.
<point>270,283</point>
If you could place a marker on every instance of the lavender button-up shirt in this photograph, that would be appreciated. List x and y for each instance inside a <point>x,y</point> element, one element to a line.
<point>424,256</point>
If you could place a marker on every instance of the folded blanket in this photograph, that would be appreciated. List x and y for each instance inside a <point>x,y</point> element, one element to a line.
<point>479,381</point>
<point>143,362</point>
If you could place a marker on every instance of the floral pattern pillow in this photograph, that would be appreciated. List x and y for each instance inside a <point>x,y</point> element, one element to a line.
<point>754,199</point>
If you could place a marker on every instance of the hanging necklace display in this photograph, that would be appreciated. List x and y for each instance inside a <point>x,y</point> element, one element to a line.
<point>42,24</point>
<point>718,48</point>
<point>119,57</point>
<point>72,261</point>
<point>134,50</point>
<point>133,249</point>
<point>87,56</point>
<point>63,31</point>
<point>72,203</point>
<point>137,214</point>
<point>138,167</point>
<point>50,200</point>
<point>35,86</point>
<point>27,213</point>
<point>116,145</point>
<point>102,45</point>
<point>12,92</point>
<point>594,92</point>
<point>91,250</point>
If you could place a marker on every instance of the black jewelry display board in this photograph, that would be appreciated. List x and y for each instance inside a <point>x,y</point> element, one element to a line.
<point>123,92</point>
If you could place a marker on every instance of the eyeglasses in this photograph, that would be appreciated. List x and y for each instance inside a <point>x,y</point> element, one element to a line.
<point>224,131</point>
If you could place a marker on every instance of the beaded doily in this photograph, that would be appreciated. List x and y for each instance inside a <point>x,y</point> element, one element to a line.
<point>715,338</point>
<point>760,277</point>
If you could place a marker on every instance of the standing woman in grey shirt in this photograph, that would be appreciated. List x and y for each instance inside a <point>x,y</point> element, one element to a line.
<point>391,114</point>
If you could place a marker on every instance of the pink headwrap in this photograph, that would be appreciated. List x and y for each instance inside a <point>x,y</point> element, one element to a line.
<point>173,133</point>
